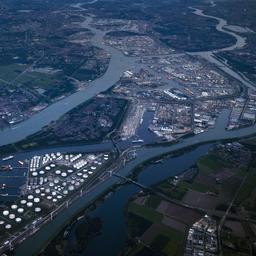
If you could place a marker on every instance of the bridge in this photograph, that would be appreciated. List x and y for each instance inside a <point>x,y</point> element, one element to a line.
<point>129,180</point>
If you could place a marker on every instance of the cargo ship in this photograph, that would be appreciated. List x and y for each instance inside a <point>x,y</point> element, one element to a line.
<point>158,161</point>
<point>21,162</point>
<point>7,158</point>
<point>138,141</point>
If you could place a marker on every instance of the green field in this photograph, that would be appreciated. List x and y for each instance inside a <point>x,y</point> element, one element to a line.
<point>153,201</point>
<point>200,187</point>
<point>246,197</point>
<point>10,72</point>
<point>179,191</point>
<point>211,163</point>
<point>145,212</point>
<point>175,192</point>
<point>37,80</point>
<point>165,238</point>
<point>47,84</point>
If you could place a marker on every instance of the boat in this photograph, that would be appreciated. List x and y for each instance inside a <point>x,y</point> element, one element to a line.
<point>4,194</point>
<point>138,141</point>
<point>7,158</point>
<point>158,161</point>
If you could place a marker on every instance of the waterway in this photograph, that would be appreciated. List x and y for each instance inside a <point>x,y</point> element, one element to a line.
<point>240,41</point>
<point>111,211</point>
<point>143,132</point>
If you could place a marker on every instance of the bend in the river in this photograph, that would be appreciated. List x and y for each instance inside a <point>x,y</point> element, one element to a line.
<point>240,41</point>
<point>210,55</point>
<point>35,242</point>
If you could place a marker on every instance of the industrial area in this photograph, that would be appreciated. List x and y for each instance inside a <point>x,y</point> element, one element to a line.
<point>185,93</point>
<point>177,108</point>
<point>202,238</point>
<point>52,182</point>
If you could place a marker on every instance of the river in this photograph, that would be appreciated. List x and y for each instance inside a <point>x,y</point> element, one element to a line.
<point>240,41</point>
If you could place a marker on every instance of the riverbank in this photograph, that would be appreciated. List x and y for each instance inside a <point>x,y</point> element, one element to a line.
<point>104,198</point>
<point>117,202</point>
<point>77,203</point>
<point>144,154</point>
<point>158,159</point>
<point>49,136</point>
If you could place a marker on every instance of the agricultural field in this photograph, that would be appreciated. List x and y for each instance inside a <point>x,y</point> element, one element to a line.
<point>155,227</point>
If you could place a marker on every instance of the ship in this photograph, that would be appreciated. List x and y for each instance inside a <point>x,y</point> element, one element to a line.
<point>138,141</point>
<point>4,194</point>
<point>21,162</point>
<point>158,161</point>
<point>7,158</point>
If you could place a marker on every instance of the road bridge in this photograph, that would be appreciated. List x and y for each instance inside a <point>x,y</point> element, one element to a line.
<point>130,180</point>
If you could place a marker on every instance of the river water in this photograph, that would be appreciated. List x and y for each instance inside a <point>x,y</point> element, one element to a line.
<point>240,41</point>
<point>111,211</point>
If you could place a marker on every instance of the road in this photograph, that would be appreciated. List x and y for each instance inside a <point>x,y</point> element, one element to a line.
<point>223,219</point>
